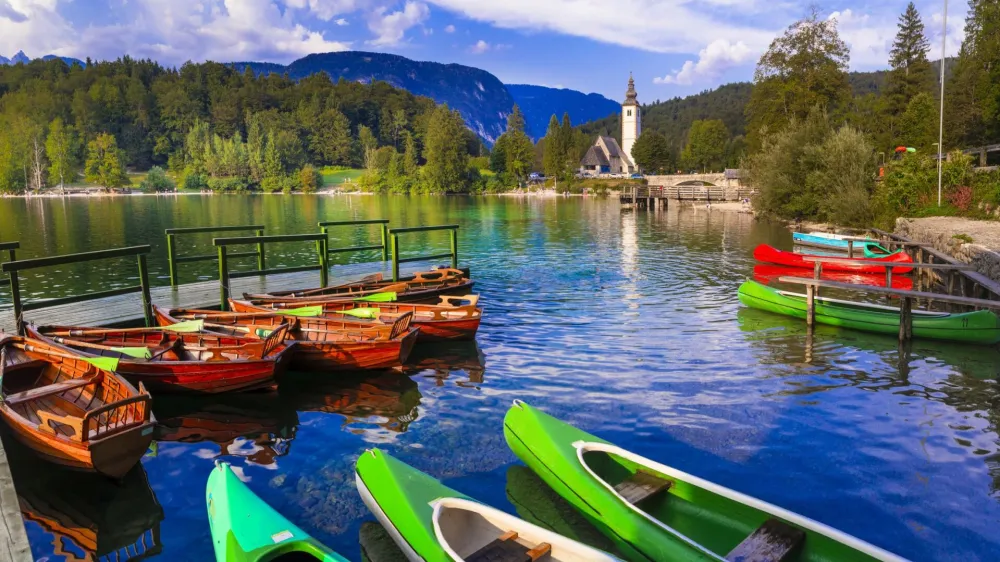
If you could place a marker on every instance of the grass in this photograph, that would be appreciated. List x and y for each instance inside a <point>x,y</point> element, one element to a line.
<point>334,176</point>
<point>963,238</point>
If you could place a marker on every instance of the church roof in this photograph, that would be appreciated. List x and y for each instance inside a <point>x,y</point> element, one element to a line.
<point>614,151</point>
<point>594,157</point>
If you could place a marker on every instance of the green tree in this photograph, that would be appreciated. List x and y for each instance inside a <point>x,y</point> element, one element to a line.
<point>804,68</point>
<point>918,125</point>
<point>105,163</point>
<point>367,145</point>
<point>973,108</point>
<point>310,179</point>
<point>911,72</point>
<point>157,181</point>
<point>273,167</point>
<point>554,156</point>
<point>331,140</point>
<point>706,146</point>
<point>410,162</point>
<point>447,160</point>
<point>651,152</point>
<point>514,148</point>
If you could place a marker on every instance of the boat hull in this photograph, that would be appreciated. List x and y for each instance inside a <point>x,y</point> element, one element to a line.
<point>980,327</point>
<point>770,254</point>
<point>696,520</point>
<point>871,249</point>
<point>353,356</point>
<point>766,274</point>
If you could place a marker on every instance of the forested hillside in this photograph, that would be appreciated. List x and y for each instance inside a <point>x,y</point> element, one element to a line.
<point>206,121</point>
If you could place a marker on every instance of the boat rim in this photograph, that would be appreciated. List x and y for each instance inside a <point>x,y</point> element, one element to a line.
<point>881,307</point>
<point>771,509</point>
<point>440,504</point>
<point>369,499</point>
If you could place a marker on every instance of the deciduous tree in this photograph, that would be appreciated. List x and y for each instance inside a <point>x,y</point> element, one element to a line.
<point>105,163</point>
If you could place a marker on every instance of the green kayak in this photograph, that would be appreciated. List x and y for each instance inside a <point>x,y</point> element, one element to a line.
<point>433,523</point>
<point>657,513</point>
<point>245,529</point>
<point>980,327</point>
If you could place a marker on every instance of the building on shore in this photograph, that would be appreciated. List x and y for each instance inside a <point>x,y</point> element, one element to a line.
<point>605,156</point>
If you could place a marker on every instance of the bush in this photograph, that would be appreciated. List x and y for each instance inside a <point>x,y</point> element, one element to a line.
<point>229,185</point>
<point>961,198</point>
<point>310,179</point>
<point>480,163</point>
<point>195,182</point>
<point>157,181</point>
<point>284,184</point>
<point>847,177</point>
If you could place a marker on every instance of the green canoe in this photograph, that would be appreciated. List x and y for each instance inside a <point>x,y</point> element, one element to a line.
<point>980,327</point>
<point>433,523</point>
<point>657,513</point>
<point>245,529</point>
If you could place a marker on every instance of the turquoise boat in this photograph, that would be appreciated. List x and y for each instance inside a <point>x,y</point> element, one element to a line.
<point>654,512</point>
<point>245,529</point>
<point>837,242</point>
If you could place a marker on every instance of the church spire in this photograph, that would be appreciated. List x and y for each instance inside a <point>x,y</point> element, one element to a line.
<point>631,95</point>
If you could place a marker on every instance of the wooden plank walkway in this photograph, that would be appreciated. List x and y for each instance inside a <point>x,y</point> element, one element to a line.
<point>127,309</point>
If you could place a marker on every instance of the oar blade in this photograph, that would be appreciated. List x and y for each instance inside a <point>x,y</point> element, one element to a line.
<point>378,297</point>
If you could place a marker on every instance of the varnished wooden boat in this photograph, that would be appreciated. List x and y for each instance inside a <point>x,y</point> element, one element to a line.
<point>197,363</point>
<point>322,344</point>
<point>437,322</point>
<point>71,412</point>
<point>425,287</point>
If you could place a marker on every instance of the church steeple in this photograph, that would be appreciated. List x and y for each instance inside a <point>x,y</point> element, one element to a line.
<point>631,95</point>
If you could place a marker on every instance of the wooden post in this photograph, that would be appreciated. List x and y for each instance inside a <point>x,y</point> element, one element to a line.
<point>454,249</point>
<point>888,276</point>
<point>223,279</point>
<point>324,267</point>
<point>394,243</point>
<point>171,256</point>
<point>906,319</point>
<point>147,301</point>
<point>385,242</point>
<point>810,305</point>
<point>817,270</point>
<point>260,252</point>
<point>15,297</point>
<point>850,249</point>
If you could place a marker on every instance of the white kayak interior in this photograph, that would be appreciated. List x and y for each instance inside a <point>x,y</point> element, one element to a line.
<point>464,527</point>
<point>583,447</point>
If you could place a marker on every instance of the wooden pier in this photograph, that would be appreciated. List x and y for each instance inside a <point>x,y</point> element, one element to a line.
<point>650,197</point>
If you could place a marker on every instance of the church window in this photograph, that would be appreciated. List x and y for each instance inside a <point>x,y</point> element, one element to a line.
<point>630,113</point>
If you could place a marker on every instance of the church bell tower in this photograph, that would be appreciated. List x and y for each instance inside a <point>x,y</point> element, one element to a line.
<point>631,119</point>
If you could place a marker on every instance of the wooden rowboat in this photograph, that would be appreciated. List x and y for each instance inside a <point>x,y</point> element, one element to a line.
<point>425,287</point>
<point>437,322</point>
<point>770,254</point>
<point>322,344</point>
<point>70,411</point>
<point>197,363</point>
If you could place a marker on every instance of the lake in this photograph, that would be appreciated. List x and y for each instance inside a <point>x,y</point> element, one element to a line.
<point>624,323</point>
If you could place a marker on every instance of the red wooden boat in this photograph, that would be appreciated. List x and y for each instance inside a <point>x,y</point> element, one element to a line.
<point>437,322</point>
<point>770,254</point>
<point>71,412</point>
<point>767,274</point>
<point>322,344</point>
<point>196,363</point>
<point>424,287</point>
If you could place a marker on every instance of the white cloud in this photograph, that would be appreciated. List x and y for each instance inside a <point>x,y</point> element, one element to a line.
<point>390,28</point>
<point>480,47</point>
<point>326,10</point>
<point>713,60</point>
<point>342,22</point>
<point>449,29</point>
<point>8,12</point>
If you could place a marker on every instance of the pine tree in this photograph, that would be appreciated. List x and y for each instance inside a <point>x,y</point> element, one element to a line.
<point>515,121</point>
<point>911,73</point>
<point>273,167</point>
<point>410,163</point>
<point>447,160</point>
<point>554,157</point>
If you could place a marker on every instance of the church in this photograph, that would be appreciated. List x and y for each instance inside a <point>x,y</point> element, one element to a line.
<point>605,156</point>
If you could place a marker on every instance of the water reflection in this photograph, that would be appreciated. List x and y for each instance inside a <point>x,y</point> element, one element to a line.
<point>377,545</point>
<point>462,361</point>
<point>256,425</point>
<point>74,516</point>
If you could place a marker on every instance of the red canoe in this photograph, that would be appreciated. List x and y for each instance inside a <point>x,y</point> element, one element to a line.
<point>770,254</point>
<point>767,274</point>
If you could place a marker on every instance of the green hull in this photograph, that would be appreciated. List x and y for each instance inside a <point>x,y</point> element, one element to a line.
<point>980,327</point>
<point>400,496</point>
<point>697,511</point>
<point>244,528</point>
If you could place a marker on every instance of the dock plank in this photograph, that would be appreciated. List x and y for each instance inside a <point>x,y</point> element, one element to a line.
<point>127,309</point>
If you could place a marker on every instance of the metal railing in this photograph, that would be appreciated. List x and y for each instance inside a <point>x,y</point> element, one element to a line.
<point>383,230</point>
<point>173,259</point>
<point>225,276</point>
<point>394,246</point>
<point>9,247</point>
<point>13,267</point>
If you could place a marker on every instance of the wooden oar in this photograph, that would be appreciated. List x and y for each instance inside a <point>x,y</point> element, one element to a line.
<point>182,327</point>
<point>103,363</point>
<point>136,352</point>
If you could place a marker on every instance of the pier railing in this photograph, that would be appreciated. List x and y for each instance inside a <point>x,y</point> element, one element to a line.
<point>10,248</point>
<point>394,246</point>
<point>173,259</point>
<point>225,276</point>
<point>383,230</point>
<point>13,268</point>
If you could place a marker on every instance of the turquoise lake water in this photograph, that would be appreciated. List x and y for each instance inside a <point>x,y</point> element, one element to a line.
<point>624,323</point>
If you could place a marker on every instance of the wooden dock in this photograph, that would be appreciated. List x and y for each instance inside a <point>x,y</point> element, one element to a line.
<point>127,309</point>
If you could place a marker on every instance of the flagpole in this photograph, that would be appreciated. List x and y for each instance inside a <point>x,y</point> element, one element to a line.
<point>944,46</point>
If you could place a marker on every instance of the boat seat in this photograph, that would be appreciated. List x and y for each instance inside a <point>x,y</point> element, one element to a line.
<point>773,541</point>
<point>640,486</point>
<point>48,390</point>
<point>507,549</point>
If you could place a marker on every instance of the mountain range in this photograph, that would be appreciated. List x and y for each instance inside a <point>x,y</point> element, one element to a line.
<point>481,98</point>
<point>20,57</point>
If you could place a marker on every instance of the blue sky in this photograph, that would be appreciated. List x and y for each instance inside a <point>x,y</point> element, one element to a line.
<point>673,47</point>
